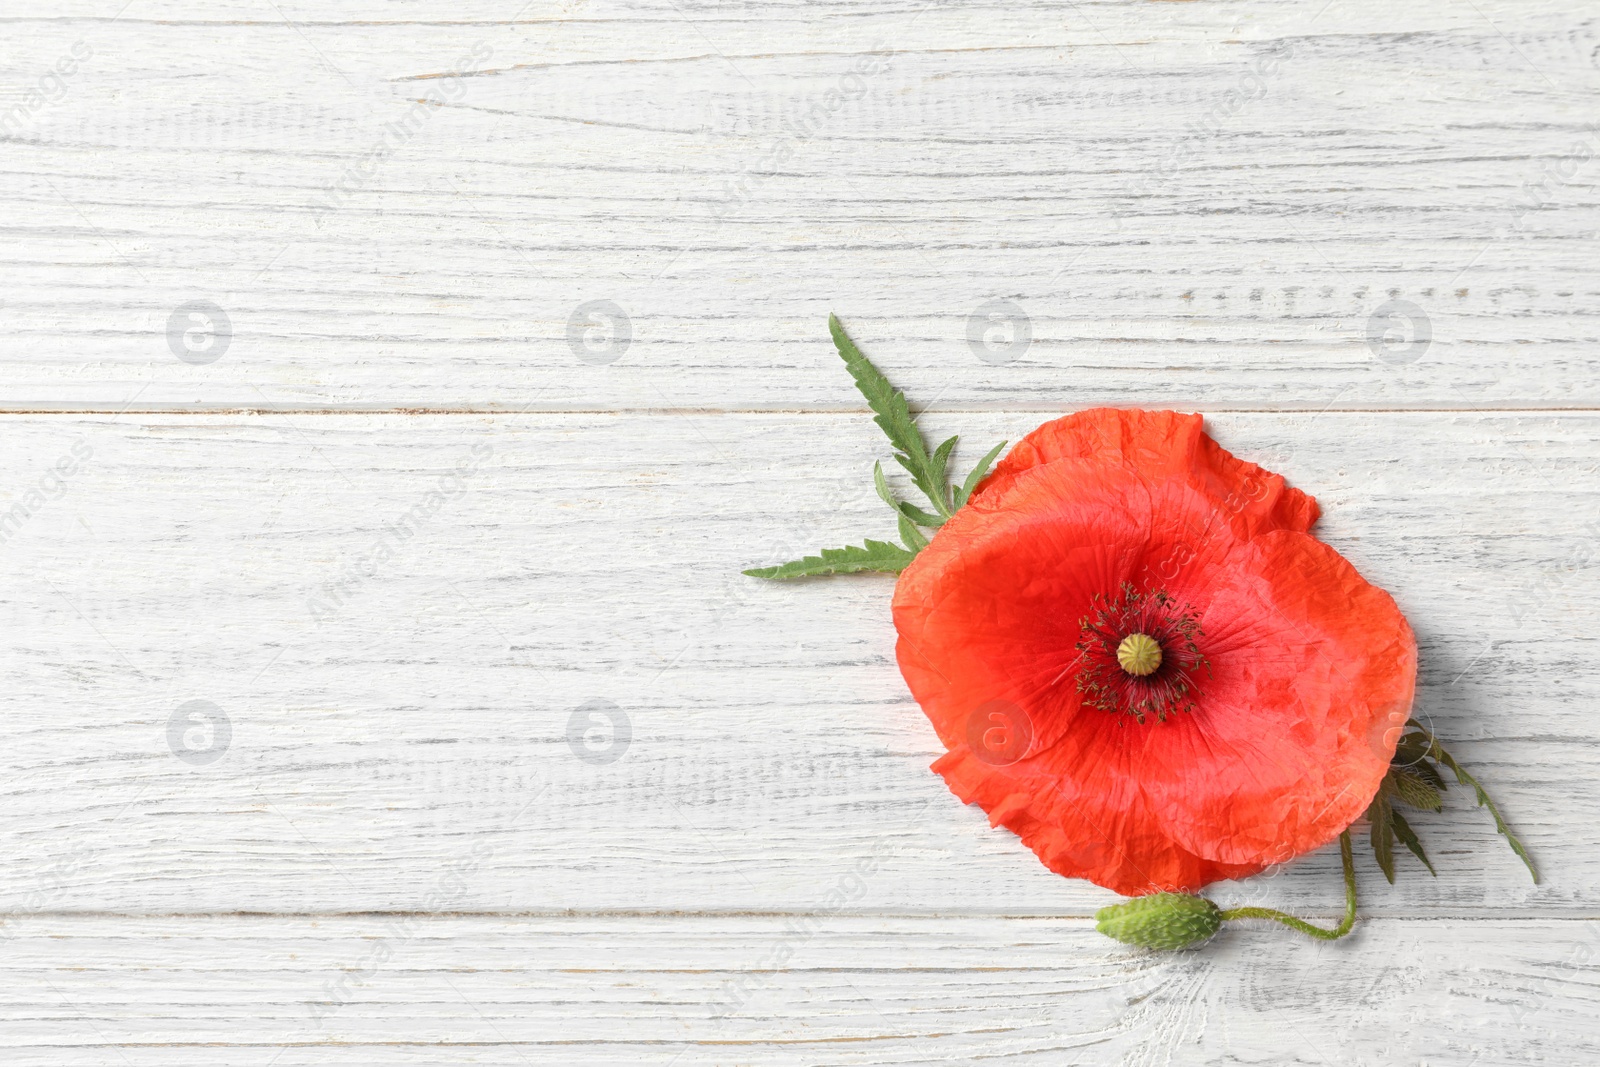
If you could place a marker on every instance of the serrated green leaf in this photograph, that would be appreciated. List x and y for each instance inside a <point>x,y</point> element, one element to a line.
<point>1437,752</point>
<point>889,409</point>
<point>1412,749</point>
<point>910,468</point>
<point>940,474</point>
<point>920,517</point>
<point>874,556</point>
<point>1410,786</point>
<point>965,492</point>
<point>930,474</point>
<point>908,529</point>
<point>902,509</point>
<point>1425,770</point>
<point>881,484</point>
<point>1408,837</point>
<point>911,535</point>
<point>1380,814</point>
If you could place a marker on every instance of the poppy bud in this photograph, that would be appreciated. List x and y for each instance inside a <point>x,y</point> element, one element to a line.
<point>1160,920</point>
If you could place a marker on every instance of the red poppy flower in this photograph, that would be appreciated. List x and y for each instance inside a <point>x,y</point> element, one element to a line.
<point>1143,664</point>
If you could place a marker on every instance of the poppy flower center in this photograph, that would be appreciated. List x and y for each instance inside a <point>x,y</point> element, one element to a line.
<point>1139,655</point>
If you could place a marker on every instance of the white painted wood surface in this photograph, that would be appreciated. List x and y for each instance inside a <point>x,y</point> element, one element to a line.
<point>694,990</point>
<point>1178,227</point>
<point>398,857</point>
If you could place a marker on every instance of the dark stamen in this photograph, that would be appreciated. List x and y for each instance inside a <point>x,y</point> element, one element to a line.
<point>1141,680</point>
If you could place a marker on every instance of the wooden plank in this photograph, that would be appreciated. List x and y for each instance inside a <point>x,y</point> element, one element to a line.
<point>400,617</point>
<point>294,769</point>
<point>839,990</point>
<point>1199,204</point>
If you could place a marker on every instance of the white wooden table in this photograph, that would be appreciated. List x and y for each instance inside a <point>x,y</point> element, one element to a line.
<point>409,437</point>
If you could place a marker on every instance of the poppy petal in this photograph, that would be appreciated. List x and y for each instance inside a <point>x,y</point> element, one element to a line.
<point>1310,668</point>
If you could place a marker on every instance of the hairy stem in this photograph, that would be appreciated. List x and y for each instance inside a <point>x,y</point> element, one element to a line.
<point>1348,856</point>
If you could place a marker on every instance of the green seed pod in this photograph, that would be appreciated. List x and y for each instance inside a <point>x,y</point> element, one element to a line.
<point>1160,920</point>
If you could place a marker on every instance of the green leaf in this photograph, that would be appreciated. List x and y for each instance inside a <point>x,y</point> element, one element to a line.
<point>1388,824</point>
<point>917,477</point>
<point>909,516</point>
<point>1381,816</point>
<point>1436,751</point>
<point>930,474</point>
<point>965,492</point>
<point>1412,787</point>
<point>940,473</point>
<point>920,517</point>
<point>889,409</point>
<point>1413,748</point>
<point>1425,770</point>
<point>1403,831</point>
<point>875,556</point>
<point>911,535</point>
<point>881,484</point>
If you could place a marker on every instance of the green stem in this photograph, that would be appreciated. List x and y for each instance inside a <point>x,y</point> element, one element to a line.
<point>1304,927</point>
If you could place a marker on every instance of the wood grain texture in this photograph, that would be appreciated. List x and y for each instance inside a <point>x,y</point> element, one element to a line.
<point>840,990</point>
<point>390,712</point>
<point>1360,234</point>
<point>1202,204</point>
